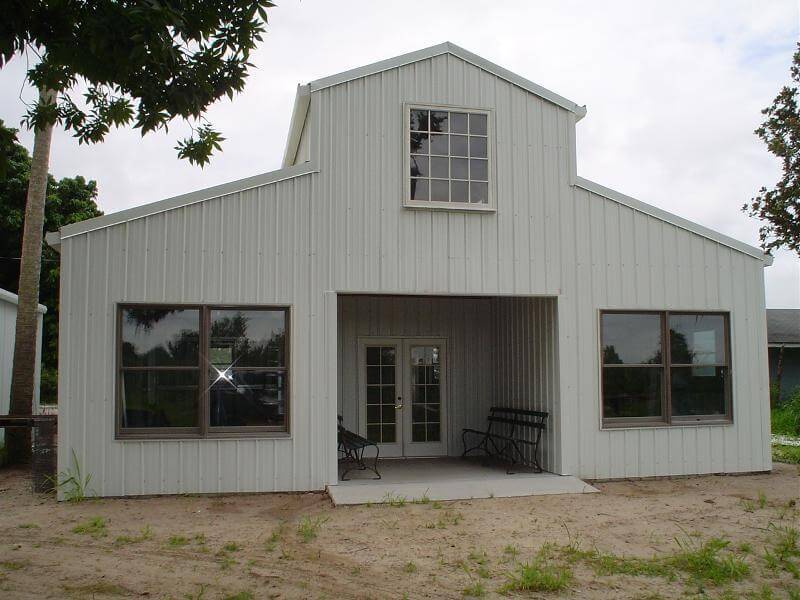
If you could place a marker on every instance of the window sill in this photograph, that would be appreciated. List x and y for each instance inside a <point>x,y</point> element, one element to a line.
<point>447,206</point>
<point>166,437</point>
<point>662,425</point>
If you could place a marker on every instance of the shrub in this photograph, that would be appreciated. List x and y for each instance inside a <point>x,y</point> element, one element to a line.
<point>786,415</point>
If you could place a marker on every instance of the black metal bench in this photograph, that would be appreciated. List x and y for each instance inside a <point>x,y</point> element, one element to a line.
<point>507,434</point>
<point>352,446</point>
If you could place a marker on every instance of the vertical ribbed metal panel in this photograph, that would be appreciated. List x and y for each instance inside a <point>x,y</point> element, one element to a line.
<point>345,230</point>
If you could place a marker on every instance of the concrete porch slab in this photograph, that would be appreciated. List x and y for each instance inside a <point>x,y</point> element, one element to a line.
<point>449,479</point>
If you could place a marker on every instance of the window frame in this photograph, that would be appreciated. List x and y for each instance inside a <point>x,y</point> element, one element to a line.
<point>667,419</point>
<point>203,430</point>
<point>490,206</point>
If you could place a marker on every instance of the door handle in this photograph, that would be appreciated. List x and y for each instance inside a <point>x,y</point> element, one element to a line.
<point>399,405</point>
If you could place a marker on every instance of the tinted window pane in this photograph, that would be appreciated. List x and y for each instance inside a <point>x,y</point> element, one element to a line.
<point>440,190</point>
<point>419,120</point>
<point>479,169</point>
<point>477,124</point>
<point>247,338</point>
<point>698,390</point>
<point>419,189</point>
<point>459,191</point>
<point>458,122</point>
<point>697,339</point>
<point>632,392</point>
<point>160,337</point>
<point>458,145</point>
<point>439,120</point>
<point>439,144</point>
<point>631,338</point>
<point>439,167</point>
<point>419,143</point>
<point>159,398</point>
<point>479,192</point>
<point>420,166</point>
<point>459,168</point>
<point>477,147</point>
<point>247,398</point>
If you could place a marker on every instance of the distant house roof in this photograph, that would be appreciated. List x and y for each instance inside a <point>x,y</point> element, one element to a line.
<point>783,326</point>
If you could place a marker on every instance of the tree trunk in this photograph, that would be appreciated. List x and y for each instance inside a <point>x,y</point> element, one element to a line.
<point>18,440</point>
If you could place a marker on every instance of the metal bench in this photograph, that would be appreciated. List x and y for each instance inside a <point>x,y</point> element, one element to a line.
<point>352,446</point>
<point>506,436</point>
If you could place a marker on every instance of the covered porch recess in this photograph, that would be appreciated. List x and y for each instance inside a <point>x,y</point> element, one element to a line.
<point>415,371</point>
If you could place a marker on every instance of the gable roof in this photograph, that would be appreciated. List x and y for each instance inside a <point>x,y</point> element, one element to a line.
<point>304,91</point>
<point>783,326</point>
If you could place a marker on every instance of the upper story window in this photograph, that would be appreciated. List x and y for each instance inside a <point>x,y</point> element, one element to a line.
<point>449,160</point>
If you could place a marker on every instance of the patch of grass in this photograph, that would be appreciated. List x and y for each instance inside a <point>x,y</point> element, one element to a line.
<point>13,565</point>
<point>539,576</point>
<point>709,561</point>
<point>784,549</point>
<point>511,551</point>
<point>177,541</point>
<point>240,596</point>
<point>605,563</point>
<point>786,454</point>
<point>95,527</point>
<point>436,505</point>
<point>231,547</point>
<point>476,590</point>
<point>73,483</point>
<point>424,499</point>
<point>28,526</point>
<point>394,500</point>
<point>410,567</point>
<point>748,505</point>
<point>274,538</point>
<point>199,539</point>
<point>226,562</point>
<point>745,548</point>
<point>308,528</point>
<point>762,500</point>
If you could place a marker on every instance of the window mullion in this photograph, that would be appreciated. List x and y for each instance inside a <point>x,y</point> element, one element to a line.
<point>203,401</point>
<point>667,354</point>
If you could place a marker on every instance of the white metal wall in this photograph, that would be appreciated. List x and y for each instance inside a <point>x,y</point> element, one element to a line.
<point>344,229</point>
<point>8,328</point>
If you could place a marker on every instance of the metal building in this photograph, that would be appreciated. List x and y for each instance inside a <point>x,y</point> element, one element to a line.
<point>427,251</point>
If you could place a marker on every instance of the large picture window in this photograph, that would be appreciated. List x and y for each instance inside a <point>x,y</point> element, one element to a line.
<point>196,371</point>
<point>448,152</point>
<point>661,368</point>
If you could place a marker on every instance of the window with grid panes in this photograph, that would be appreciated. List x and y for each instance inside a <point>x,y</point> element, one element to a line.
<point>448,154</point>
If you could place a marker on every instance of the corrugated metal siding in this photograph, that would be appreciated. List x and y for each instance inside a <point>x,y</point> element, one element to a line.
<point>526,363</point>
<point>344,229</point>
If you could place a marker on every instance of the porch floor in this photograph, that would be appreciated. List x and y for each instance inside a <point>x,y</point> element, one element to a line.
<point>449,479</point>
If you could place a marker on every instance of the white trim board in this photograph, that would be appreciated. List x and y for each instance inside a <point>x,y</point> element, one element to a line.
<point>653,211</point>
<point>448,48</point>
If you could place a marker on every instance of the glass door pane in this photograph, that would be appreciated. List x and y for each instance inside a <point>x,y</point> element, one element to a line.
<point>381,392</point>
<point>426,393</point>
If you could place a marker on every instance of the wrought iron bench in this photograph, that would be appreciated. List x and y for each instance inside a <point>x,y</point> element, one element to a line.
<point>507,434</point>
<point>352,446</point>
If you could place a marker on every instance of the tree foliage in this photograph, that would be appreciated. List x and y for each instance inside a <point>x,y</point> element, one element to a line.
<point>139,62</point>
<point>69,200</point>
<point>780,207</point>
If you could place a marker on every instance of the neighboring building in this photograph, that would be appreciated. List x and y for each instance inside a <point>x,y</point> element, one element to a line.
<point>427,251</point>
<point>783,339</point>
<point>8,327</point>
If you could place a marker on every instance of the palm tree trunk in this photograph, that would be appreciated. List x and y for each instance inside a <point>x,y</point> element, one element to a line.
<point>18,440</point>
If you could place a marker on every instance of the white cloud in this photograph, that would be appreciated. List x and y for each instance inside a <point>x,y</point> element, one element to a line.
<point>674,92</point>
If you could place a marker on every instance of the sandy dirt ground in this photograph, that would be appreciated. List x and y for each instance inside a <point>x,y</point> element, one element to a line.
<point>251,546</point>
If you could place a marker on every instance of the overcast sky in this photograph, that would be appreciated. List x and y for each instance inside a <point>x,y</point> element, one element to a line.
<point>674,91</point>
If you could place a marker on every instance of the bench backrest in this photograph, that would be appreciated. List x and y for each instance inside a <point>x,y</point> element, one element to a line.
<point>517,417</point>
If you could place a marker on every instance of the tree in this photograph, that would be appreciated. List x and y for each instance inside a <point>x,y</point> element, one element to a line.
<point>141,62</point>
<point>69,200</point>
<point>780,206</point>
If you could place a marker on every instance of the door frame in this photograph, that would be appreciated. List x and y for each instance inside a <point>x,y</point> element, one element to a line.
<point>403,345</point>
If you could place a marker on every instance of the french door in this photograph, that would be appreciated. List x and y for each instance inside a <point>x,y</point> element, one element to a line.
<point>403,395</point>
